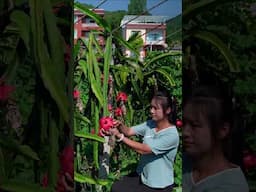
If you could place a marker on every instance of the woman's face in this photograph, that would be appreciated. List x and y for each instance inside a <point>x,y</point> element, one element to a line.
<point>156,110</point>
<point>196,133</point>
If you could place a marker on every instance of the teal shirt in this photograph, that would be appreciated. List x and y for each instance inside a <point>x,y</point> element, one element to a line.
<point>229,180</point>
<point>156,169</point>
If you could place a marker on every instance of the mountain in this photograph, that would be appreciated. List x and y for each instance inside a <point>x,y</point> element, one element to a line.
<point>174,30</point>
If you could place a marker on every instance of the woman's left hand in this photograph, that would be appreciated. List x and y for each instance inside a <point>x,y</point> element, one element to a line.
<point>114,131</point>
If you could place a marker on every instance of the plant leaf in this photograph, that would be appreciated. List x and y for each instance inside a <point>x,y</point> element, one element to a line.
<point>165,74</point>
<point>2,165</point>
<point>99,20</point>
<point>22,20</point>
<point>171,53</point>
<point>82,118</point>
<point>217,42</point>
<point>200,6</point>
<point>53,155</point>
<point>14,146</point>
<point>87,179</point>
<point>107,61</point>
<point>89,136</point>
<point>21,186</point>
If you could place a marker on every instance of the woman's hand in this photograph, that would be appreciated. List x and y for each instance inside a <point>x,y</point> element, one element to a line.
<point>114,131</point>
<point>104,133</point>
<point>118,124</point>
<point>123,128</point>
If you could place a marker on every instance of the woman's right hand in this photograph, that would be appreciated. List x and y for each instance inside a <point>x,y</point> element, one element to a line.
<point>114,131</point>
<point>104,133</point>
<point>118,124</point>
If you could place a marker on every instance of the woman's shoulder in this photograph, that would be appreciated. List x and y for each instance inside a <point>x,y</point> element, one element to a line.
<point>229,180</point>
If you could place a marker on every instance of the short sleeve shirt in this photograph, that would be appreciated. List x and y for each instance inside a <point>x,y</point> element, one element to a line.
<point>156,169</point>
<point>230,180</point>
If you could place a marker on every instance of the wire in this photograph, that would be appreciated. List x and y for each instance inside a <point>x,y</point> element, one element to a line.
<point>102,2</point>
<point>157,5</point>
<point>153,7</point>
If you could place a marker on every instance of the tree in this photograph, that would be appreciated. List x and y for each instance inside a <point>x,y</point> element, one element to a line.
<point>137,7</point>
<point>173,30</point>
<point>114,18</point>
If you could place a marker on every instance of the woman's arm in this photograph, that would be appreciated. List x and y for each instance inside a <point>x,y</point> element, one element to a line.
<point>141,148</point>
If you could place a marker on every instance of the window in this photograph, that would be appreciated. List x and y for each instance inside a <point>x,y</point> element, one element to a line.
<point>75,34</point>
<point>86,20</point>
<point>75,18</point>
<point>154,37</point>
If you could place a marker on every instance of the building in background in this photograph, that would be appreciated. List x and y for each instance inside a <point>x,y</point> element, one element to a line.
<point>83,25</point>
<point>151,28</point>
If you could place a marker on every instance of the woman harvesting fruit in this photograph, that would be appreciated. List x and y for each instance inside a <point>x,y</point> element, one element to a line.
<point>158,150</point>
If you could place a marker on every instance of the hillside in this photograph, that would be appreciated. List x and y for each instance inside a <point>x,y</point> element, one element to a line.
<point>174,30</point>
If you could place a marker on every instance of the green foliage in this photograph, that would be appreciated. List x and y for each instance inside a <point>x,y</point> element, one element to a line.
<point>114,18</point>
<point>17,185</point>
<point>129,75</point>
<point>31,53</point>
<point>24,81</point>
<point>224,53</point>
<point>173,30</point>
<point>137,7</point>
<point>121,162</point>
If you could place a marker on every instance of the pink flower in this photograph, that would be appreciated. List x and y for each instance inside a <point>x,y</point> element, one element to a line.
<point>5,91</point>
<point>121,97</point>
<point>66,160</point>
<point>45,180</point>
<point>76,94</point>
<point>106,123</point>
<point>118,112</point>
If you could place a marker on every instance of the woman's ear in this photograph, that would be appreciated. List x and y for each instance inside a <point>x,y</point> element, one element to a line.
<point>224,131</point>
<point>168,110</point>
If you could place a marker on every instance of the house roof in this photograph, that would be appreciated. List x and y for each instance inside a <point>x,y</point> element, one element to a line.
<point>97,11</point>
<point>135,19</point>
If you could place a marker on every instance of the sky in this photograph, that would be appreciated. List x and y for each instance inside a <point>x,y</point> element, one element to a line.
<point>169,8</point>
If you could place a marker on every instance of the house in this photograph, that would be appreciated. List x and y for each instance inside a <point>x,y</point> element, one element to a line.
<point>151,28</point>
<point>83,25</point>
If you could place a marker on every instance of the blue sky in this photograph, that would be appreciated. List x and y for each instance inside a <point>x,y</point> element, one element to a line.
<point>169,8</point>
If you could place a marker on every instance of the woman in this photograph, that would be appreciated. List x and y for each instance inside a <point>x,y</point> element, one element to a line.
<point>206,138</point>
<point>158,150</point>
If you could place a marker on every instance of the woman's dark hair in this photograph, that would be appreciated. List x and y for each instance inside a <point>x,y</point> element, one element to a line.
<point>215,106</point>
<point>167,101</point>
